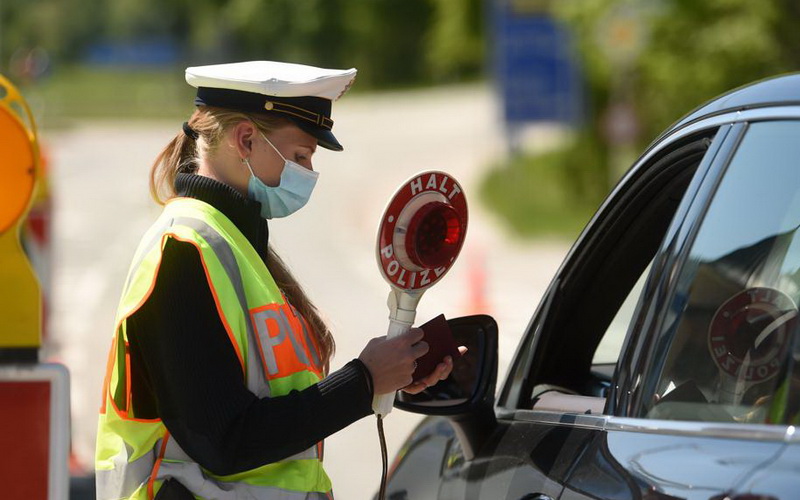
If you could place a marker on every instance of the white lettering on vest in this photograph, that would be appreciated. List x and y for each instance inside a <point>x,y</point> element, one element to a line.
<point>268,343</point>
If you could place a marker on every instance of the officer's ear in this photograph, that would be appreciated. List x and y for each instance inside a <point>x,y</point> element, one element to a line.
<point>242,135</point>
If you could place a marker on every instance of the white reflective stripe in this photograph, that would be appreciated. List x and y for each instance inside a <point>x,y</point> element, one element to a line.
<point>155,239</point>
<point>256,379</point>
<point>174,451</point>
<point>303,455</point>
<point>192,477</point>
<point>125,477</point>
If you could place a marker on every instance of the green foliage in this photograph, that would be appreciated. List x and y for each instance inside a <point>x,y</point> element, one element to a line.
<point>550,195</point>
<point>681,52</point>
<point>390,53</point>
<point>457,46</point>
<point>393,43</point>
<point>663,58</point>
<point>702,49</point>
<point>25,24</point>
<point>80,92</point>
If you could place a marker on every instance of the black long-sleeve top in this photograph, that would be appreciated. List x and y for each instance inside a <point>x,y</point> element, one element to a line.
<point>185,371</point>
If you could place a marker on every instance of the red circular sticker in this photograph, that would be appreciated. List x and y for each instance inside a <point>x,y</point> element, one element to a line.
<point>750,332</point>
<point>422,231</point>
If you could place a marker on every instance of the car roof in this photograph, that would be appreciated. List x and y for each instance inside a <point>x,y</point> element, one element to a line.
<point>775,91</point>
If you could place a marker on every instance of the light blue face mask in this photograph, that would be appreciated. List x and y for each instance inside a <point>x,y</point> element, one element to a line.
<point>293,192</point>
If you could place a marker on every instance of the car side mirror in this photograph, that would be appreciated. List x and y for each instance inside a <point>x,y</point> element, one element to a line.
<point>471,384</point>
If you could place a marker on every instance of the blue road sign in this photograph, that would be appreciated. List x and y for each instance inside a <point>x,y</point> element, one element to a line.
<point>143,52</point>
<point>534,66</point>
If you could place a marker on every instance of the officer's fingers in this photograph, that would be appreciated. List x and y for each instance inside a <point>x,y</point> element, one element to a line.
<point>441,372</point>
<point>416,387</point>
<point>419,349</point>
<point>430,380</point>
<point>445,368</point>
<point>413,335</point>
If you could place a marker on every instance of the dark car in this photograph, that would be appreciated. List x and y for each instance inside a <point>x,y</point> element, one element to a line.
<point>663,361</point>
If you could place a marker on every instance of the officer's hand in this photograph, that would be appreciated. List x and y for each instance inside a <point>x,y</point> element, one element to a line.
<point>441,372</point>
<point>391,362</point>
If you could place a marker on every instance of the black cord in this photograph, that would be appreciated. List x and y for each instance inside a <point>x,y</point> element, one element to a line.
<point>384,458</point>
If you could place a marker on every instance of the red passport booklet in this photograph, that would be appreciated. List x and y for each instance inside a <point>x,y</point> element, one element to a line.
<point>441,342</point>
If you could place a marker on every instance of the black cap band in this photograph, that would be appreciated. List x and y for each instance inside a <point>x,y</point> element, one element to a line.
<point>312,114</point>
<point>315,110</point>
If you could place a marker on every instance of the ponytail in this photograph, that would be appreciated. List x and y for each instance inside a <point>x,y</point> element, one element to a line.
<point>180,155</point>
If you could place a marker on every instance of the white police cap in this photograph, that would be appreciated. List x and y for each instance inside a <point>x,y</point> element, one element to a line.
<point>303,94</point>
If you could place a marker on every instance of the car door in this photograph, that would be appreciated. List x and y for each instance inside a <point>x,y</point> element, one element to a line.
<point>706,392</point>
<point>553,404</point>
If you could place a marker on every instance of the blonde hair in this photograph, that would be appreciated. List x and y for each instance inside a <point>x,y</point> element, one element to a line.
<point>183,154</point>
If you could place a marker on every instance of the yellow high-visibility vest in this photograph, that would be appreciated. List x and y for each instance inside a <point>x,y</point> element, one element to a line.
<point>272,340</point>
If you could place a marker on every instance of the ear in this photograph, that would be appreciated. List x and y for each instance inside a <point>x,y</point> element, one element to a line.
<point>242,135</point>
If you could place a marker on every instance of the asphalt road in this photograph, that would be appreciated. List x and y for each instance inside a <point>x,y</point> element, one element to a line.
<point>102,206</point>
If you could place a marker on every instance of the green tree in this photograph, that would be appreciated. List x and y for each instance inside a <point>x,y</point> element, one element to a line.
<point>660,59</point>
<point>389,40</point>
<point>392,43</point>
<point>456,39</point>
<point>25,25</point>
<point>682,53</point>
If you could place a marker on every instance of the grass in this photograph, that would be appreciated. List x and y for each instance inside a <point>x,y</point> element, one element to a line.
<point>93,92</point>
<point>551,195</point>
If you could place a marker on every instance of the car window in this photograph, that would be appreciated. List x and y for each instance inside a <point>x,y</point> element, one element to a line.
<point>610,346</point>
<point>578,336</point>
<point>730,354</point>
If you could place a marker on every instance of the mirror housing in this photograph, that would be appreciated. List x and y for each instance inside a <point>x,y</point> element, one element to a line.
<point>467,395</point>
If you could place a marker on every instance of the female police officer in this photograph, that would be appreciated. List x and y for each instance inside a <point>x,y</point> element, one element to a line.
<point>217,383</point>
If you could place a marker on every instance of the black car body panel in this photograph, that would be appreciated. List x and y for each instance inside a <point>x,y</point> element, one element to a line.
<point>779,91</point>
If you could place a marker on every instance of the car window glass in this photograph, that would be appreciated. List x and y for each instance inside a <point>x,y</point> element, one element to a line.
<point>611,344</point>
<point>729,358</point>
<point>581,333</point>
